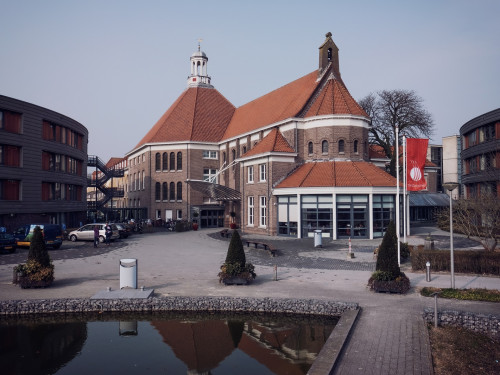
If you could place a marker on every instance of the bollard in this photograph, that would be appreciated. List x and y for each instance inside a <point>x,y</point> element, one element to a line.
<point>436,310</point>
<point>428,271</point>
<point>275,272</point>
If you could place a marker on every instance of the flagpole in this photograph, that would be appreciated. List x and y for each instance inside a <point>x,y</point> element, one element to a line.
<point>397,193</point>
<point>405,216</point>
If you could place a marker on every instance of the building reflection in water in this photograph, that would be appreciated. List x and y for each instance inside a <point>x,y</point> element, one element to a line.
<point>195,344</point>
<point>284,348</point>
<point>39,347</point>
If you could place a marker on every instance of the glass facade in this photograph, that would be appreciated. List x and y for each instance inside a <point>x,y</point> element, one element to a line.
<point>383,213</point>
<point>317,213</point>
<point>352,216</point>
<point>288,216</point>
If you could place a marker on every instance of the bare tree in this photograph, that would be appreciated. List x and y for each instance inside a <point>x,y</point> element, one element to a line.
<point>477,217</point>
<point>396,108</point>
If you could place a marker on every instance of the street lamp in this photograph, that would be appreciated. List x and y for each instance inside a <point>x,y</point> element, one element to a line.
<point>450,186</point>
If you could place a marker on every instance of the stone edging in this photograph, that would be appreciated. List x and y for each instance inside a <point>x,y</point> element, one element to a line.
<point>156,304</point>
<point>485,324</point>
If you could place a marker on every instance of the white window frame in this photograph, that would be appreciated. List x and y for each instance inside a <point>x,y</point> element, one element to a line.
<point>208,154</point>
<point>212,172</point>
<point>263,211</point>
<point>262,173</point>
<point>250,174</point>
<point>251,211</point>
<point>178,213</point>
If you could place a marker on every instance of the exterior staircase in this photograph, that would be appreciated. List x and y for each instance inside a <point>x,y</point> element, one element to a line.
<point>99,181</point>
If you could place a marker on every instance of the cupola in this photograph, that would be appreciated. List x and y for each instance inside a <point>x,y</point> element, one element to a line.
<point>199,76</point>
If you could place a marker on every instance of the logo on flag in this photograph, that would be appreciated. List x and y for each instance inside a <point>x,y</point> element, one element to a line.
<point>416,153</point>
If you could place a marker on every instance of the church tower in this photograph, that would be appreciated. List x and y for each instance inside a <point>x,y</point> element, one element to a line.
<point>199,76</point>
<point>328,54</point>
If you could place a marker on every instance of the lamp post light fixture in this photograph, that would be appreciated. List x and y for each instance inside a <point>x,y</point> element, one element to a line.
<point>450,186</point>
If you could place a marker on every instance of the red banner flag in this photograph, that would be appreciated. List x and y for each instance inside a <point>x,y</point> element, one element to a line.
<point>416,154</point>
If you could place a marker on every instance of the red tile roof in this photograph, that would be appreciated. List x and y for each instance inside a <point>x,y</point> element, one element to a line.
<point>339,174</point>
<point>335,99</point>
<point>273,142</point>
<point>113,161</point>
<point>199,114</point>
<point>324,97</point>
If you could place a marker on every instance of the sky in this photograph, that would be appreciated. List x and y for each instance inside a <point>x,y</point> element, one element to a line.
<point>117,66</point>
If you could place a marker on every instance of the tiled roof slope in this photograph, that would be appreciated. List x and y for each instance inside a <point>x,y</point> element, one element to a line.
<point>113,161</point>
<point>273,142</point>
<point>338,173</point>
<point>323,97</point>
<point>199,114</point>
<point>334,98</point>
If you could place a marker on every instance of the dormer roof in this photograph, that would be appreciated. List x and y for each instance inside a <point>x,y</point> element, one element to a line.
<point>273,142</point>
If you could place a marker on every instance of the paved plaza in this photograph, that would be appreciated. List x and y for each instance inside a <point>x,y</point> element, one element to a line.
<point>389,336</point>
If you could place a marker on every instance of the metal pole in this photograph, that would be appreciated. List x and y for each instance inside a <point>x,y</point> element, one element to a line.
<point>452,266</point>
<point>397,193</point>
<point>405,217</point>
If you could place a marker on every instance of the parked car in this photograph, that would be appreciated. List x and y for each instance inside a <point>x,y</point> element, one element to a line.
<point>86,233</point>
<point>8,242</point>
<point>122,230</point>
<point>52,234</point>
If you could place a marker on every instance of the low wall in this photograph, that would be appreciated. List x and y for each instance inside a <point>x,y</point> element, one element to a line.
<point>215,304</point>
<point>485,324</point>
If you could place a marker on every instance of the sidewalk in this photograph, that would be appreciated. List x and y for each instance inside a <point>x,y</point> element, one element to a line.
<point>389,335</point>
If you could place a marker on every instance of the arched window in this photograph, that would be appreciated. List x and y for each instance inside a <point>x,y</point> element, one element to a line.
<point>172,191</point>
<point>179,191</point>
<point>341,146</point>
<point>165,161</point>
<point>355,147</point>
<point>179,161</point>
<point>310,148</point>
<point>164,192</point>
<point>244,150</point>
<point>224,157</point>
<point>172,161</point>
<point>324,147</point>
<point>158,162</point>
<point>234,154</point>
<point>329,54</point>
<point>157,191</point>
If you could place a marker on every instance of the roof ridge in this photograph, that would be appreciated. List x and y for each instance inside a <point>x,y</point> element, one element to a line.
<point>316,92</point>
<point>308,172</point>
<point>193,117</point>
<point>355,165</point>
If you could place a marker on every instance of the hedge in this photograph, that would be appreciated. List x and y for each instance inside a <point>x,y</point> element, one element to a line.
<point>476,262</point>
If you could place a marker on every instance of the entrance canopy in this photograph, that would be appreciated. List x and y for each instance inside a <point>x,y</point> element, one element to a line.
<point>215,191</point>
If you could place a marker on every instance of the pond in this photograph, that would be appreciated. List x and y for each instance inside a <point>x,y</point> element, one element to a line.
<point>169,343</point>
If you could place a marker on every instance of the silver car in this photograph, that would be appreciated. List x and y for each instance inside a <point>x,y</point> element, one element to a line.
<point>86,233</point>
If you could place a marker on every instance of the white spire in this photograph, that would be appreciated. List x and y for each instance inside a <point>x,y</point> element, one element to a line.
<point>199,76</point>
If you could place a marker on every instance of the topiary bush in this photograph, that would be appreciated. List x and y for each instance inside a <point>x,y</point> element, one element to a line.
<point>235,265</point>
<point>38,270</point>
<point>388,276</point>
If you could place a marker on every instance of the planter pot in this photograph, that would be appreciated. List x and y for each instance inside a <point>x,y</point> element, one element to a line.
<point>25,283</point>
<point>235,280</point>
<point>392,286</point>
<point>195,226</point>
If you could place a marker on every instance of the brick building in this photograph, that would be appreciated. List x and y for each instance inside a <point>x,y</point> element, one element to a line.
<point>290,162</point>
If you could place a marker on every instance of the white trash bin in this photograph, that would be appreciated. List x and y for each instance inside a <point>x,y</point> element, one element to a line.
<point>128,273</point>
<point>318,239</point>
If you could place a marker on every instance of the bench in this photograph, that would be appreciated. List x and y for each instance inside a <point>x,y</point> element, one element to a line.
<point>272,250</point>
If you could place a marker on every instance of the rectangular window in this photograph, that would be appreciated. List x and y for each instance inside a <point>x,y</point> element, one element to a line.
<point>209,154</point>
<point>263,211</point>
<point>250,174</point>
<point>10,121</point>
<point>179,214</point>
<point>9,190</point>
<point>10,156</point>
<point>262,172</point>
<point>251,207</point>
<point>210,175</point>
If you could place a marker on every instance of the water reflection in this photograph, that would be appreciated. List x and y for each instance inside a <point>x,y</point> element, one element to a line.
<point>166,343</point>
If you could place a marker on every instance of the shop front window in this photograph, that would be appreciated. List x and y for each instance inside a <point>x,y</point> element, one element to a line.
<point>352,216</point>
<point>287,216</point>
<point>317,213</point>
<point>383,213</point>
